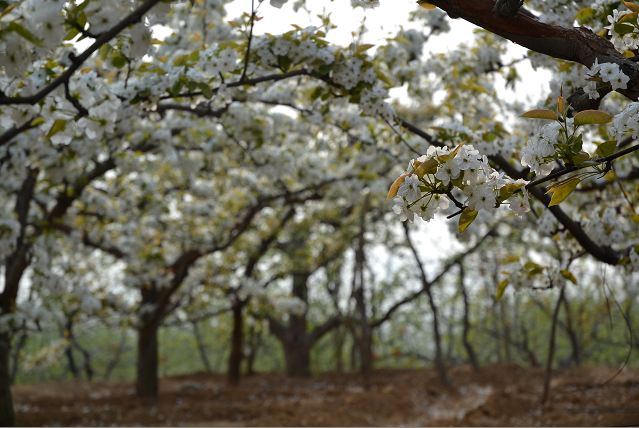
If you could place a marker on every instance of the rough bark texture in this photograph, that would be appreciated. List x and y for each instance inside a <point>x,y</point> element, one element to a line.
<point>7,415</point>
<point>573,44</point>
<point>146,384</point>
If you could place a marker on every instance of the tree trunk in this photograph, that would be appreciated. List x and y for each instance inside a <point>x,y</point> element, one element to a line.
<point>116,358</point>
<point>472,356</point>
<point>298,359</point>
<point>7,415</point>
<point>551,347</point>
<point>22,340</point>
<point>237,342</point>
<point>73,368</point>
<point>255,342</point>
<point>365,345</point>
<point>296,341</point>
<point>200,347</point>
<point>146,384</point>
<point>574,342</point>
<point>439,360</point>
<point>68,352</point>
<point>339,350</point>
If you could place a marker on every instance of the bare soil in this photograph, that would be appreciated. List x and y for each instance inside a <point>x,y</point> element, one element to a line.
<point>499,395</point>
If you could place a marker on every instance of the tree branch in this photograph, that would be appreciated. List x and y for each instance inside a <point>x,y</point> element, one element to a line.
<point>573,44</point>
<point>135,16</point>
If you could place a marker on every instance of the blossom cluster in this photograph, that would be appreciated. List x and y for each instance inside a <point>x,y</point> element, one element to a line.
<point>623,29</point>
<point>606,72</point>
<point>427,186</point>
<point>539,150</point>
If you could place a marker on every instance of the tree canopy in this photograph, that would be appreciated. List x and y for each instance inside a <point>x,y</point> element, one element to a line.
<point>146,179</point>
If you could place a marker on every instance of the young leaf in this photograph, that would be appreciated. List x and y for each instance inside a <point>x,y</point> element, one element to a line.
<point>466,218</point>
<point>588,117</point>
<point>569,276</point>
<point>629,17</point>
<point>632,6</point>
<point>540,114</point>
<point>580,157</point>
<point>561,192</point>
<point>363,48</point>
<point>622,29</point>
<point>508,190</point>
<point>427,167</point>
<point>606,149</point>
<point>26,34</point>
<point>501,287</point>
<point>426,5</point>
<point>395,187</point>
<point>57,126</point>
<point>560,104</point>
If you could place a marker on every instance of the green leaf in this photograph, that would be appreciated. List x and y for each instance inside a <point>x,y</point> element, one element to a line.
<point>622,29</point>
<point>584,14</point>
<point>57,126</point>
<point>569,276</point>
<point>540,114</point>
<point>577,143</point>
<point>501,287</point>
<point>195,56</point>
<point>363,48</point>
<point>561,192</point>
<point>579,157</point>
<point>531,265</point>
<point>71,34</point>
<point>466,218</point>
<point>285,63</point>
<point>37,121</point>
<point>118,60</point>
<point>511,259</point>
<point>589,117</point>
<point>381,76</point>
<point>177,87</point>
<point>607,148</point>
<point>395,187</point>
<point>8,9</point>
<point>180,61</point>
<point>104,51</point>
<point>508,190</point>
<point>629,17</point>
<point>206,90</point>
<point>427,167</point>
<point>14,26</point>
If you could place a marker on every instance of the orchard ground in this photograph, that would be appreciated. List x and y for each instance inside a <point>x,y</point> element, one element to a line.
<point>499,395</point>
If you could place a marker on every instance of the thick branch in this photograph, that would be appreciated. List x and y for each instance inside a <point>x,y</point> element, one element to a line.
<point>319,331</point>
<point>573,44</point>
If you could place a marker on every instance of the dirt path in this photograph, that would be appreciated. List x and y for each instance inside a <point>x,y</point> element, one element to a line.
<point>501,395</point>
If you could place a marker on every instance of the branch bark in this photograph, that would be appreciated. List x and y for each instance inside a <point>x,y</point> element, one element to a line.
<point>573,44</point>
